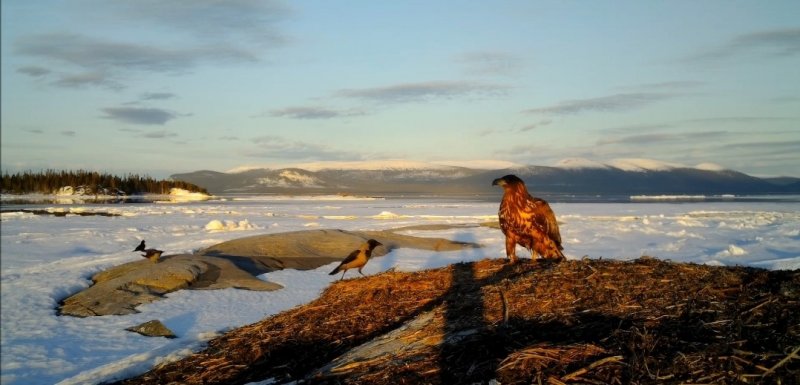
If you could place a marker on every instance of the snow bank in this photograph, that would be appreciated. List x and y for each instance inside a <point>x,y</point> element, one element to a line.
<point>229,225</point>
<point>182,195</point>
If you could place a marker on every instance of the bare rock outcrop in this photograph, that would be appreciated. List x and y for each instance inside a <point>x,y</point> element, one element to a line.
<point>237,263</point>
<point>120,289</point>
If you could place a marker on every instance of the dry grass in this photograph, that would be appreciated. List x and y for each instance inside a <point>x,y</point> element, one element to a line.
<point>587,322</point>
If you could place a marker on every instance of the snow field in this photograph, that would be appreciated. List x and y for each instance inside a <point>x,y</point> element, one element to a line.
<point>47,258</point>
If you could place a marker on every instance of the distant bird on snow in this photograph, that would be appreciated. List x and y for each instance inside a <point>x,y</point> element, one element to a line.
<point>140,247</point>
<point>357,259</point>
<point>152,254</point>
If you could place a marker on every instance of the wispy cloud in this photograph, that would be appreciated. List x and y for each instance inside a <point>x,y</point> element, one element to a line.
<point>425,91</point>
<point>617,102</point>
<point>313,113</point>
<point>34,71</point>
<point>157,96</point>
<point>69,133</point>
<point>490,63</point>
<point>667,86</point>
<point>533,126</point>
<point>530,127</point>
<point>97,55</point>
<point>792,146</point>
<point>85,79</point>
<point>785,99</point>
<point>636,128</point>
<point>163,134</point>
<point>661,138</point>
<point>135,115</point>
<point>278,148</point>
<point>740,119</point>
<point>202,32</point>
<point>233,21</point>
<point>778,42</point>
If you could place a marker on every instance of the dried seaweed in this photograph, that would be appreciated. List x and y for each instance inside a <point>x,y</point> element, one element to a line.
<point>590,322</point>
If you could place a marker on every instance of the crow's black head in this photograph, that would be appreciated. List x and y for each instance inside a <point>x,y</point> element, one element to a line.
<point>373,244</point>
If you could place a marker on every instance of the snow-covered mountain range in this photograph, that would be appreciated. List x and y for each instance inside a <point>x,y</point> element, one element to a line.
<point>568,176</point>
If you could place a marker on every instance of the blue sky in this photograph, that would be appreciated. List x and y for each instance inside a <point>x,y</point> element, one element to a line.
<point>161,87</point>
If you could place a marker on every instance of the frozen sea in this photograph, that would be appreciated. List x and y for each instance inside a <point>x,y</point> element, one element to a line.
<point>45,258</point>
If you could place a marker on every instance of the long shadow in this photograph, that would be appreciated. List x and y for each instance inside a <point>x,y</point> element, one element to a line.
<point>473,349</point>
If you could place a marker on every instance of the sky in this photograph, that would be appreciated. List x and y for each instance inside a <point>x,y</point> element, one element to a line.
<point>160,87</point>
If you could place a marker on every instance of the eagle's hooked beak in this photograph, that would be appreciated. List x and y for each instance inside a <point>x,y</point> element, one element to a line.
<point>499,182</point>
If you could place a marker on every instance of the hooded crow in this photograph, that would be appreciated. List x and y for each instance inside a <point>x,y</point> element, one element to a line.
<point>152,254</point>
<point>357,259</point>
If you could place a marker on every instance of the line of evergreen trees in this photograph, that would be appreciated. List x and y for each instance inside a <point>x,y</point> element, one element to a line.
<point>50,181</point>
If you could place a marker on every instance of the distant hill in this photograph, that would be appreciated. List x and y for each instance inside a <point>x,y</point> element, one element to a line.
<point>571,176</point>
<point>783,180</point>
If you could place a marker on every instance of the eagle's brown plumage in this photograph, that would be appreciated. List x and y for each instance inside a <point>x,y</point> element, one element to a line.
<point>527,221</point>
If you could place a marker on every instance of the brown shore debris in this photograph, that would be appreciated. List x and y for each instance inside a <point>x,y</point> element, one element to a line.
<point>645,321</point>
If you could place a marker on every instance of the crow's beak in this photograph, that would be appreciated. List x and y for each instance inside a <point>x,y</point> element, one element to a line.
<point>499,182</point>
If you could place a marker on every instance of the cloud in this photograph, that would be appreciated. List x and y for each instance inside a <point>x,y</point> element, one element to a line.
<point>231,138</point>
<point>491,63</point>
<point>636,128</point>
<point>506,131</point>
<point>617,102</point>
<point>669,85</point>
<point>36,131</point>
<point>765,147</point>
<point>135,115</point>
<point>660,138</point>
<point>100,79</point>
<point>785,99</point>
<point>34,71</point>
<point>425,91</point>
<point>740,119</point>
<point>68,133</point>
<point>96,55</point>
<point>160,134</point>
<point>312,113</point>
<point>232,21</point>
<point>157,96</point>
<point>274,147</point>
<point>194,33</point>
<point>536,125</point>
<point>778,42</point>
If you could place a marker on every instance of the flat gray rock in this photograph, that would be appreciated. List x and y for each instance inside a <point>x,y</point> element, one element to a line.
<point>310,249</point>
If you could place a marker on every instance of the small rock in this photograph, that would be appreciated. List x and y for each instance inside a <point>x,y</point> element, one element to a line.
<point>153,328</point>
